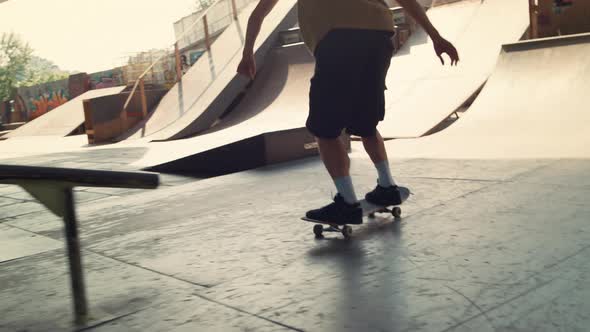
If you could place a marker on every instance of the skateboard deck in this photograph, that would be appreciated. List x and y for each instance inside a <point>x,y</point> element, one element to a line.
<point>369,210</point>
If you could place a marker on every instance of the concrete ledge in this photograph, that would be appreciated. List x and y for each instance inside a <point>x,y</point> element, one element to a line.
<point>253,152</point>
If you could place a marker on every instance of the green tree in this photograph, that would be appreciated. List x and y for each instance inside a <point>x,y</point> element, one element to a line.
<point>19,67</point>
<point>14,57</point>
<point>40,71</point>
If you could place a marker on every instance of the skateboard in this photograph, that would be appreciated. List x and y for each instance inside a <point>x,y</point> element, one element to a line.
<point>369,210</point>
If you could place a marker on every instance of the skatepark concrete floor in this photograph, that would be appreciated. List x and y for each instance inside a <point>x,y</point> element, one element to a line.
<point>483,245</point>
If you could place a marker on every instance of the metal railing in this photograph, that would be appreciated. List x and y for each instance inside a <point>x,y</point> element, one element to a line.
<point>533,17</point>
<point>200,22</point>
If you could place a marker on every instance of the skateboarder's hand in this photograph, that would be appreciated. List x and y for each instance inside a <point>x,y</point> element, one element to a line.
<point>247,66</point>
<point>441,46</point>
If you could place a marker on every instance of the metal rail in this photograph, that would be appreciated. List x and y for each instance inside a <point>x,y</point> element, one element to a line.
<point>140,81</point>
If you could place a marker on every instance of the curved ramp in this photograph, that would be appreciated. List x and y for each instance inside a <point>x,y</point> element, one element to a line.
<point>277,101</point>
<point>422,93</point>
<point>62,120</point>
<point>208,88</point>
<point>535,105</point>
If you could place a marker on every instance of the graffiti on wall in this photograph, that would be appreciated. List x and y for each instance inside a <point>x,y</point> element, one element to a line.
<point>107,79</point>
<point>40,99</point>
<point>560,5</point>
<point>564,3</point>
<point>195,56</point>
<point>45,104</point>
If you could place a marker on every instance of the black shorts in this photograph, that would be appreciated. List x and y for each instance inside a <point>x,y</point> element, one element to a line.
<point>347,89</point>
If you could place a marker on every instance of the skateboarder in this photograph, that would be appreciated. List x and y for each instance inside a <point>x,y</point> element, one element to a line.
<point>351,42</point>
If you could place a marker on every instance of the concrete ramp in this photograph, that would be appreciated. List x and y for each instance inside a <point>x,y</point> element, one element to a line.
<point>62,120</point>
<point>211,84</point>
<point>422,93</point>
<point>276,103</point>
<point>279,95</point>
<point>535,105</point>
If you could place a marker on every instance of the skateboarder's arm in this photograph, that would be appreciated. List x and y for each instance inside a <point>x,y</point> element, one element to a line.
<point>417,12</point>
<point>255,22</point>
<point>441,45</point>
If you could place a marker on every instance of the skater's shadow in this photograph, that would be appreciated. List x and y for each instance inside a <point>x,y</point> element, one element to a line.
<point>363,273</point>
<point>337,247</point>
<point>382,227</point>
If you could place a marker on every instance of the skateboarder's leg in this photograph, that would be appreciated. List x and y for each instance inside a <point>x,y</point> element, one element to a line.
<point>336,160</point>
<point>345,209</point>
<point>323,123</point>
<point>375,148</point>
<point>330,98</point>
<point>335,157</point>
<point>386,192</point>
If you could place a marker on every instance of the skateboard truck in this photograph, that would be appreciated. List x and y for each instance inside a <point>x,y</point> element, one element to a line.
<point>396,212</point>
<point>319,229</point>
<point>346,230</point>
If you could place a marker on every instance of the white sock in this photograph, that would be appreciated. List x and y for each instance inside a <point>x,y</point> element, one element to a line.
<point>346,189</point>
<point>385,179</point>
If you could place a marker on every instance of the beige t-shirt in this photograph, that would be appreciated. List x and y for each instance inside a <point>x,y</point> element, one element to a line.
<point>318,17</point>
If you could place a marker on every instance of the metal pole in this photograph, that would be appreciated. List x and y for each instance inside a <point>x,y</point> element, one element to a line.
<point>533,19</point>
<point>75,258</point>
<point>124,121</point>
<point>143,100</point>
<point>152,70</point>
<point>207,40</point>
<point>234,9</point>
<point>178,64</point>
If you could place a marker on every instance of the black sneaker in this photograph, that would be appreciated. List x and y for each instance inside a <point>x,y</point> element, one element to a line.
<point>384,196</point>
<point>339,212</point>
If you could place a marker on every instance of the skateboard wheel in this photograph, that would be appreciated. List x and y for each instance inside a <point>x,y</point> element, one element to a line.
<point>346,231</point>
<point>318,230</point>
<point>396,212</point>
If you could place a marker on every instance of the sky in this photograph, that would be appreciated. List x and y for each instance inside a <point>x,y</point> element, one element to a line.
<point>93,35</point>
